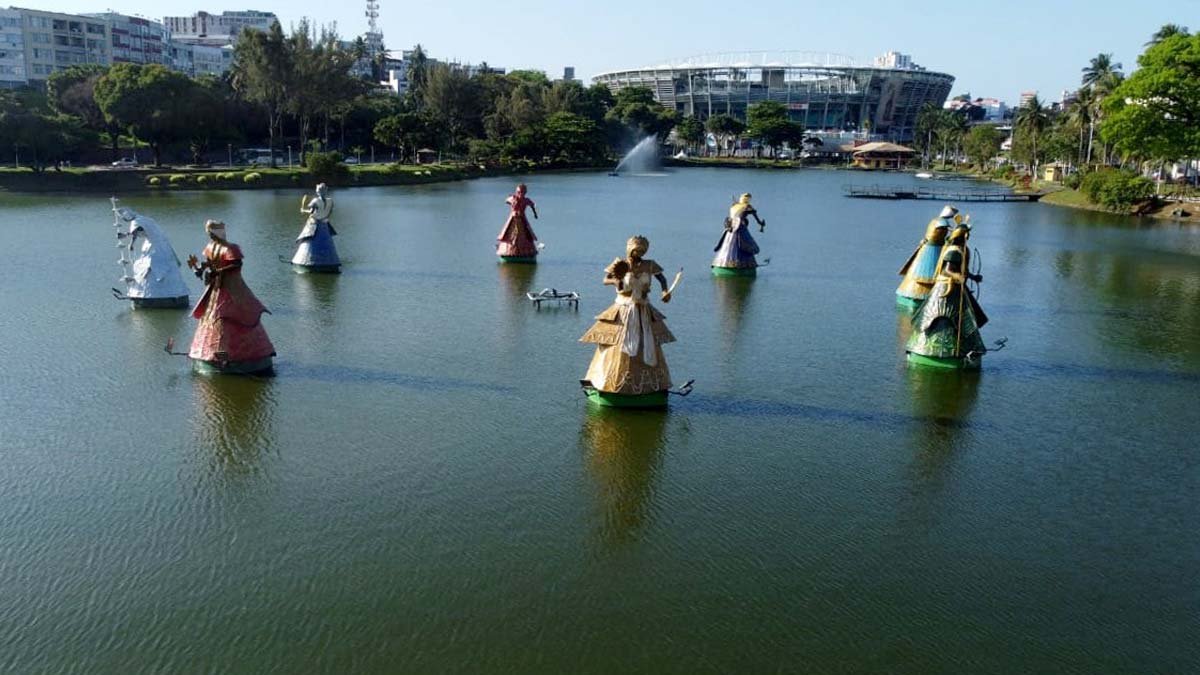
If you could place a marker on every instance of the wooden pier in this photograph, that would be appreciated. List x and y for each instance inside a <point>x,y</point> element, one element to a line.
<point>946,194</point>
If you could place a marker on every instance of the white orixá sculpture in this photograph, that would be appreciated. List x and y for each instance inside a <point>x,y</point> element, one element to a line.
<point>152,277</point>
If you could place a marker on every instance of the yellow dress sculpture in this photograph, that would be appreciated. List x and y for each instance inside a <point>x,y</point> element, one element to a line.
<point>628,368</point>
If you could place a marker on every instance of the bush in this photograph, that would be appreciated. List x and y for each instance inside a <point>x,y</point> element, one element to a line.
<point>1072,181</point>
<point>252,177</point>
<point>227,175</point>
<point>1116,189</point>
<point>202,179</point>
<point>326,167</point>
<point>1003,172</point>
<point>153,180</point>
<point>177,178</point>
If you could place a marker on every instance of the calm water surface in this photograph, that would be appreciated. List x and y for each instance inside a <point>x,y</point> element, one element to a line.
<point>423,488</point>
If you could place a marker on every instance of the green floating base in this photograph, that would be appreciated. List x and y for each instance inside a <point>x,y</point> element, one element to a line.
<point>908,303</point>
<point>317,269</point>
<point>949,363</point>
<point>734,271</point>
<point>160,303</point>
<point>255,367</point>
<point>657,399</point>
<point>519,259</point>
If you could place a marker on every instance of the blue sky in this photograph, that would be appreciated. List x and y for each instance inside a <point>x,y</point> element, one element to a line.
<point>992,48</point>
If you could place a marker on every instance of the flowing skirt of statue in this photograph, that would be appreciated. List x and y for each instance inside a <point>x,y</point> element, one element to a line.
<point>736,248</point>
<point>230,328</point>
<point>629,360</point>
<point>946,325</point>
<point>316,247</point>
<point>919,271</point>
<point>516,239</point>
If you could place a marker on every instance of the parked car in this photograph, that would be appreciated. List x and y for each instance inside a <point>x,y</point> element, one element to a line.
<point>125,163</point>
<point>350,160</point>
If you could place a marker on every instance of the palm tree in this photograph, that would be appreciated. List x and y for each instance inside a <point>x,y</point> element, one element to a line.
<point>1081,114</point>
<point>1101,76</point>
<point>1101,68</point>
<point>1168,30</point>
<point>1032,118</point>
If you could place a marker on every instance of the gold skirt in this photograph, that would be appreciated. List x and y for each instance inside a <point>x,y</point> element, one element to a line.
<point>616,372</point>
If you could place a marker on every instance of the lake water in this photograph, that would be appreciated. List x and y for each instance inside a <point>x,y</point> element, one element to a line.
<point>423,488</point>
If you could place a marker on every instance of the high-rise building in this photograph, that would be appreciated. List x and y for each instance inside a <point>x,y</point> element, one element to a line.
<point>136,40</point>
<point>12,49</point>
<point>216,29</point>
<point>1026,97</point>
<point>895,60</point>
<point>54,41</point>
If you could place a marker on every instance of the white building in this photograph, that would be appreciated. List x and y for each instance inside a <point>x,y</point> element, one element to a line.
<point>136,40</point>
<point>12,49</point>
<point>895,61</point>
<point>54,41</point>
<point>216,29</point>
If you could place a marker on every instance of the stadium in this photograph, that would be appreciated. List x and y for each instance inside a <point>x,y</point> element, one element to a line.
<point>825,92</point>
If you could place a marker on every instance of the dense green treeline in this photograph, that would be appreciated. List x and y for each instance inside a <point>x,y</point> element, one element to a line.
<point>1109,135</point>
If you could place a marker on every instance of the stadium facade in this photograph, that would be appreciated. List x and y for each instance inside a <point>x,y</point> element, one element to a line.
<point>825,92</point>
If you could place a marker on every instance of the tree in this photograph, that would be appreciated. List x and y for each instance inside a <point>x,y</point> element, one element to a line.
<point>1167,30</point>
<point>724,128</point>
<point>320,77</point>
<point>44,137</point>
<point>950,128</point>
<point>262,72</point>
<point>452,98</point>
<point>1156,112</point>
<point>1029,125</point>
<point>573,138</point>
<point>690,131</point>
<point>768,122</point>
<point>418,75</point>
<point>404,131</point>
<point>928,119</point>
<point>72,92</point>
<point>982,144</point>
<point>636,109</point>
<point>152,102</point>
<point>1101,75</point>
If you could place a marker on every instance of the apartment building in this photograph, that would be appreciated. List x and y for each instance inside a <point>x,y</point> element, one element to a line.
<point>12,49</point>
<point>135,39</point>
<point>55,41</point>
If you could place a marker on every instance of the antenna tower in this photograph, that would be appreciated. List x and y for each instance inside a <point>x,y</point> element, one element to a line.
<point>374,36</point>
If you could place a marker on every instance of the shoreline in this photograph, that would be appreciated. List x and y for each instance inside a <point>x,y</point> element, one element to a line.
<point>375,175</point>
<point>163,180</point>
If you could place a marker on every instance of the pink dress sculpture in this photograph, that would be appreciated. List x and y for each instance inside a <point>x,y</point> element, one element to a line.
<point>517,241</point>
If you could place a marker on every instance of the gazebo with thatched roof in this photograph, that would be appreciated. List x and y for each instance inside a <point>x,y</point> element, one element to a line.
<point>882,155</point>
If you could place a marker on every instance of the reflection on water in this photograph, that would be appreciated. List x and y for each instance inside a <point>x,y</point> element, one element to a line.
<point>944,397</point>
<point>316,296</point>
<point>733,295</point>
<point>515,281</point>
<point>149,329</point>
<point>232,421</point>
<point>624,455</point>
<point>942,401</point>
<point>904,328</point>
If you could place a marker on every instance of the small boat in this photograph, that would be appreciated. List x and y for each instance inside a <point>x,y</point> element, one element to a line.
<point>654,399</point>
<point>924,174</point>
<point>263,366</point>
<point>734,271</point>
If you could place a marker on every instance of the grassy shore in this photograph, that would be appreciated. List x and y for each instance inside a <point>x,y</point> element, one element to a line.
<point>149,179</point>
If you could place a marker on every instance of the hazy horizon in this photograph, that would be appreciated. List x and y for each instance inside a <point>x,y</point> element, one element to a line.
<point>991,51</point>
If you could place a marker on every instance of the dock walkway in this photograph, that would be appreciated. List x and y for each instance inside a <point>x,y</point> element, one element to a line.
<point>947,194</point>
